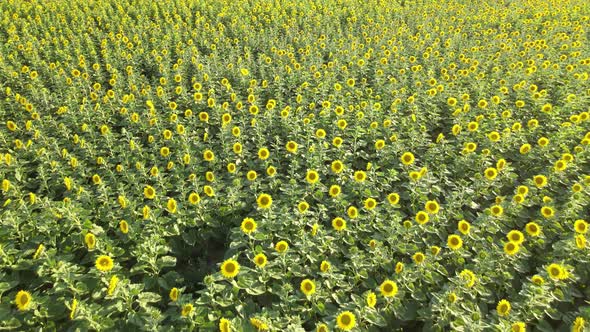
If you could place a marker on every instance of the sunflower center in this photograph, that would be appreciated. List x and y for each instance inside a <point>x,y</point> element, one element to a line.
<point>388,288</point>
<point>230,268</point>
<point>345,320</point>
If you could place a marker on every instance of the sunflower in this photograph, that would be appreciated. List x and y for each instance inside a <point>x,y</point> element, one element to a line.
<point>90,240</point>
<point>352,212</point>
<point>371,299</point>
<point>337,166</point>
<point>580,241</point>
<point>251,175</point>
<point>208,155</point>
<point>307,287</point>
<point>302,206</point>
<point>454,242</point>
<point>469,277</point>
<point>579,325</point>
<point>173,295</point>
<point>96,179</point>
<point>533,229</point>
<point>112,285</point>
<point>149,192</point>
<point>393,198</point>
<point>496,210</point>
<point>379,144</point>
<point>556,272</point>
<point>248,225</point>
<point>165,151</point>
<point>312,177</point>
<point>230,268</point>
<point>224,325</point>
<point>104,263</point>
<point>537,280</point>
<point>263,153</point>
<point>388,288</point>
<point>418,258</point>
<point>543,141</point>
<point>581,226</point>
<point>560,165</point>
<point>124,226</point>
<point>187,309</point>
<point>339,224</point>
<point>325,266</point>
<point>518,199</point>
<point>23,300</point>
<point>432,207</point>
<point>360,176</point>
<point>525,148</point>
<point>547,212</point>
<point>464,227</point>
<point>515,236</point>
<point>281,247</point>
<point>399,267</point>
<point>271,171</point>
<point>518,327</point>
<point>264,201</point>
<point>335,190</point>
<point>422,217</point>
<point>291,147</point>
<point>540,181</point>
<point>494,136</point>
<point>522,190</point>
<point>511,248</point>
<point>260,260</point>
<point>346,321</point>
<point>490,173</point>
<point>407,158</point>
<point>503,308</point>
<point>370,203</point>
<point>171,205</point>
<point>194,198</point>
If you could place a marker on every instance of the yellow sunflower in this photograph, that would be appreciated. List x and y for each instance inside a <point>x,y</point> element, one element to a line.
<point>307,287</point>
<point>230,268</point>
<point>407,158</point>
<point>264,201</point>
<point>503,308</point>
<point>346,321</point>
<point>248,226</point>
<point>454,242</point>
<point>104,263</point>
<point>388,288</point>
<point>260,260</point>
<point>23,300</point>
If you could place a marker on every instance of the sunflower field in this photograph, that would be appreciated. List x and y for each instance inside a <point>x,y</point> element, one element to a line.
<point>282,165</point>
